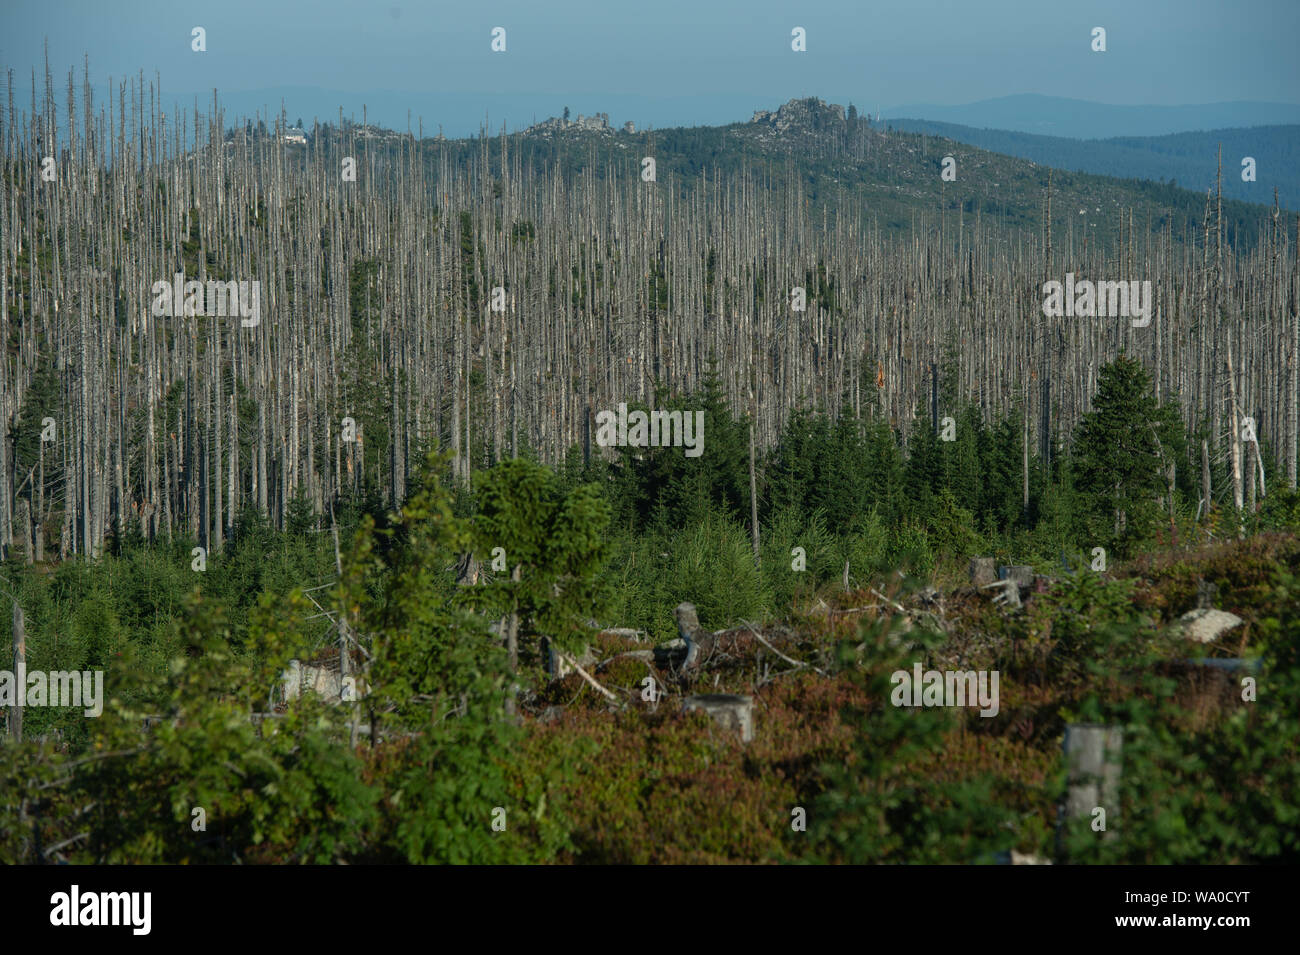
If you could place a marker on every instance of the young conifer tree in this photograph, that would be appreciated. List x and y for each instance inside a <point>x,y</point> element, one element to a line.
<point>1123,449</point>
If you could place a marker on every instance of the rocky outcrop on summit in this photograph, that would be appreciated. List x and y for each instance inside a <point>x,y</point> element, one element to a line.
<point>595,123</point>
<point>797,116</point>
<point>802,124</point>
<point>811,112</point>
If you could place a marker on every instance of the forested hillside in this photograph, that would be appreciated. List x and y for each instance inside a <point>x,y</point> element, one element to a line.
<point>841,164</point>
<point>1186,159</point>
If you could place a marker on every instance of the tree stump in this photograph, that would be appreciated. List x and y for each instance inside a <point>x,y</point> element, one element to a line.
<point>1092,756</point>
<point>699,642</point>
<point>983,571</point>
<point>729,711</point>
<point>1022,575</point>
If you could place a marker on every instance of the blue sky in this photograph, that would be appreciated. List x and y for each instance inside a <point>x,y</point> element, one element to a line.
<point>668,62</point>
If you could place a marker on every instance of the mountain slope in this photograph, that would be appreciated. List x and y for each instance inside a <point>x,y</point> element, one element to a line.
<point>812,151</point>
<point>1190,159</point>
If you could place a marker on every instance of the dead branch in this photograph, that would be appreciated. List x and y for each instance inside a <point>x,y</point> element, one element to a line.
<point>893,603</point>
<point>587,676</point>
<point>787,659</point>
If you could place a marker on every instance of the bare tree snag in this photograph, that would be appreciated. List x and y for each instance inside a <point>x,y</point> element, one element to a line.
<point>20,673</point>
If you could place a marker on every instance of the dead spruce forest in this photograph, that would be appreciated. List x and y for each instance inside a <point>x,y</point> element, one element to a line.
<point>222,510</point>
<point>376,295</point>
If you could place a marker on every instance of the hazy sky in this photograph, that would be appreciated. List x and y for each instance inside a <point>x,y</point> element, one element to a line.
<point>682,61</point>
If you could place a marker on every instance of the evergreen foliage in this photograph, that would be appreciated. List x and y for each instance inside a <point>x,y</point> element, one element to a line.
<point>1123,451</point>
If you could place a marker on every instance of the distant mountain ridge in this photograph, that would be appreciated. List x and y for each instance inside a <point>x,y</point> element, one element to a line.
<point>1189,159</point>
<point>1082,119</point>
<point>839,163</point>
<point>460,115</point>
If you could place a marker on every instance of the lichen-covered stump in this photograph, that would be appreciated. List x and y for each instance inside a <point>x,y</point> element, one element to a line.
<point>1093,754</point>
<point>983,571</point>
<point>731,712</point>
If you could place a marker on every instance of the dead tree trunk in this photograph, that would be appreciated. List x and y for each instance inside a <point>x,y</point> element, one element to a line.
<point>20,674</point>
<point>753,481</point>
<point>1235,445</point>
<point>512,623</point>
<point>1206,487</point>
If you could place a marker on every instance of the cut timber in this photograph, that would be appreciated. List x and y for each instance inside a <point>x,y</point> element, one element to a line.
<point>1022,575</point>
<point>729,711</point>
<point>1007,594</point>
<point>1092,757</point>
<point>1206,626</point>
<point>983,571</point>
